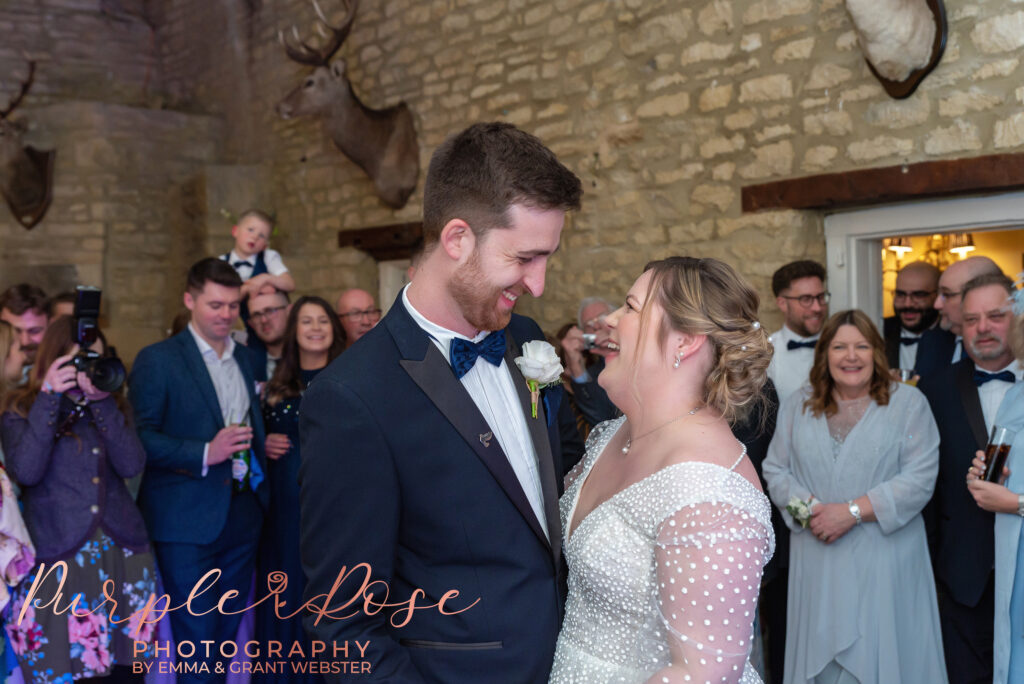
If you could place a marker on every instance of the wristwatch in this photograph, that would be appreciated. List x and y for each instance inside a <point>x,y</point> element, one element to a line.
<point>855,511</point>
<point>1020,505</point>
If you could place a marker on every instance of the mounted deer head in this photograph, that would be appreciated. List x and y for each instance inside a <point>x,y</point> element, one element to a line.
<point>26,174</point>
<point>902,40</point>
<point>381,141</point>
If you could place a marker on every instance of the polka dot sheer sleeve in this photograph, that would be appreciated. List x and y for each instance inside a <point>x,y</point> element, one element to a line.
<point>709,558</point>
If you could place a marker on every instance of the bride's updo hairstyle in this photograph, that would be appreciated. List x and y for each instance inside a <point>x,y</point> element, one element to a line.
<point>707,297</point>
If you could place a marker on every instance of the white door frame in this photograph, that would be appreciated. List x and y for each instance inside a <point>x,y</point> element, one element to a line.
<point>853,239</point>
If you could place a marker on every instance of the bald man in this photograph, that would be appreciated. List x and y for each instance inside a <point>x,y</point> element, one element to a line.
<point>941,346</point>
<point>358,314</point>
<point>917,286</point>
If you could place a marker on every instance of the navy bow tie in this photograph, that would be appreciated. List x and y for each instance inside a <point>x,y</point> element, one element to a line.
<point>981,377</point>
<point>465,353</point>
<point>793,344</point>
<point>909,340</point>
<point>239,264</point>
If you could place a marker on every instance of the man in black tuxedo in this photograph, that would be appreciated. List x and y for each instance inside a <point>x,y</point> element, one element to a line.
<point>913,303</point>
<point>964,398</point>
<point>941,346</point>
<point>424,455</point>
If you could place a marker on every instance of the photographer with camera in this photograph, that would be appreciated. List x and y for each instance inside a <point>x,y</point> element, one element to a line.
<point>70,445</point>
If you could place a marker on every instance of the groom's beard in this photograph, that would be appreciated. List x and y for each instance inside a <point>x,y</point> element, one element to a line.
<point>477,298</point>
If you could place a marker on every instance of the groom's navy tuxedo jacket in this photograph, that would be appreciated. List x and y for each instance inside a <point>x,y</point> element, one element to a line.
<point>400,471</point>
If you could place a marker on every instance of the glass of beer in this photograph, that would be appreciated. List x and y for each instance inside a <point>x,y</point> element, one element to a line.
<point>998,449</point>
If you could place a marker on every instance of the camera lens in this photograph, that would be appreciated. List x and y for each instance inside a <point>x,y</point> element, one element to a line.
<point>107,374</point>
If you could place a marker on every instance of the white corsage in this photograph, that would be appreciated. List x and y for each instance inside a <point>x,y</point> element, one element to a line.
<point>800,510</point>
<point>540,366</point>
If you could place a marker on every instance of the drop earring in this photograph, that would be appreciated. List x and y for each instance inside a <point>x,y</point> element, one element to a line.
<point>679,358</point>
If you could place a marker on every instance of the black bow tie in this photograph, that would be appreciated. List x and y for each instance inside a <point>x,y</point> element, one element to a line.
<point>239,264</point>
<point>909,340</point>
<point>981,377</point>
<point>793,344</point>
<point>465,353</point>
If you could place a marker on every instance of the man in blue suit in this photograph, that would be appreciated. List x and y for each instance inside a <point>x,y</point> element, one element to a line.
<point>421,455</point>
<point>202,507</point>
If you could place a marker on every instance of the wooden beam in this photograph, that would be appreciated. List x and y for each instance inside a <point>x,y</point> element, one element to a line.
<point>997,172</point>
<point>384,243</point>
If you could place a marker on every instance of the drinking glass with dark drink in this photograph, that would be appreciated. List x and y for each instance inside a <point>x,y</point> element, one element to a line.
<point>996,452</point>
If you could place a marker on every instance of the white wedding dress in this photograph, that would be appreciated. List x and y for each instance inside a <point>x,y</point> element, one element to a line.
<point>664,573</point>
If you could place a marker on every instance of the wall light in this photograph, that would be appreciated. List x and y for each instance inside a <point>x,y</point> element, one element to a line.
<point>961,243</point>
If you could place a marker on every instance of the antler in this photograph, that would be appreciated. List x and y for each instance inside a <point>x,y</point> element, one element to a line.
<point>13,104</point>
<point>304,53</point>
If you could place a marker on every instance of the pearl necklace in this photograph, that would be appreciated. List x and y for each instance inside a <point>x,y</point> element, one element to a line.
<point>629,440</point>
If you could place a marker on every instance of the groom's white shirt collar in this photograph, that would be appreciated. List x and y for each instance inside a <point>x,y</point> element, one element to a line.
<point>442,337</point>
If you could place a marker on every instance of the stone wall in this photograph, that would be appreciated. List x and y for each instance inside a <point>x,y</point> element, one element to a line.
<point>666,110</point>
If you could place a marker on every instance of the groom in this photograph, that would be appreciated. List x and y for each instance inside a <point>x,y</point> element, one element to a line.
<point>420,457</point>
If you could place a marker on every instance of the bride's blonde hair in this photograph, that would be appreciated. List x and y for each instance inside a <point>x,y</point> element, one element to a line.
<point>707,297</point>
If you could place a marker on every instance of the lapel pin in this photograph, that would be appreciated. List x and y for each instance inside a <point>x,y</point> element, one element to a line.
<point>485,438</point>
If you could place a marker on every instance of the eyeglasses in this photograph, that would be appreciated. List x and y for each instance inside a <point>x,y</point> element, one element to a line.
<point>949,294</point>
<point>807,300</point>
<point>919,295</point>
<point>267,313</point>
<point>371,314</point>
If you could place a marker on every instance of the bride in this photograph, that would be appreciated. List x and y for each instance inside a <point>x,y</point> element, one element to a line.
<point>667,529</point>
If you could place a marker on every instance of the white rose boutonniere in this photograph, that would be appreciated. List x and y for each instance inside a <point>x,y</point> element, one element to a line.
<point>540,366</point>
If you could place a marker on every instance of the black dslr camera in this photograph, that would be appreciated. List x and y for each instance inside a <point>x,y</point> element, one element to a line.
<point>105,372</point>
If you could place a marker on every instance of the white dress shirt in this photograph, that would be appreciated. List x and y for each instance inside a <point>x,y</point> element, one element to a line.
<point>492,390</point>
<point>908,352</point>
<point>272,258</point>
<point>992,392</point>
<point>789,368</point>
<point>228,383</point>
<point>958,349</point>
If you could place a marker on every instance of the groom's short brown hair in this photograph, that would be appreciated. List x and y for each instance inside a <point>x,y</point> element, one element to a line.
<point>479,173</point>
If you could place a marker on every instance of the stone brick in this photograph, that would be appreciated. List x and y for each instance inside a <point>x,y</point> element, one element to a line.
<point>715,16</point>
<point>750,42</point>
<point>846,41</point>
<point>877,148</point>
<point>715,97</point>
<point>835,123</point>
<point>720,196</point>
<point>766,88</point>
<point>771,10</point>
<point>959,137</point>
<point>1010,131</point>
<point>770,160</point>
<point>704,51</point>
<point>723,171</point>
<point>744,118</point>
<point>997,69</point>
<point>972,100</point>
<point>537,14</point>
<point>819,157</point>
<point>826,75</point>
<point>999,34</point>
<point>720,145</point>
<point>772,132</point>
<point>897,114</point>
<point>796,50</point>
<point>666,105</point>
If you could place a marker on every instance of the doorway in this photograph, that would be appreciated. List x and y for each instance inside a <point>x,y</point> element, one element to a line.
<point>854,242</point>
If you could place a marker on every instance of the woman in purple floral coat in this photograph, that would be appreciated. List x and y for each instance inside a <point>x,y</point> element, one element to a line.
<point>70,447</point>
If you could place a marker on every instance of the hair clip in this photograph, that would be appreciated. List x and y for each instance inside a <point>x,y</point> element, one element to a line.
<point>743,348</point>
<point>756,325</point>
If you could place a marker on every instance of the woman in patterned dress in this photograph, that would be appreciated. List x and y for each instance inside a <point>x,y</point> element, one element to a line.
<point>70,447</point>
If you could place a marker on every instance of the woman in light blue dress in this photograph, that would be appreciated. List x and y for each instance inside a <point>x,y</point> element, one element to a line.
<point>1005,501</point>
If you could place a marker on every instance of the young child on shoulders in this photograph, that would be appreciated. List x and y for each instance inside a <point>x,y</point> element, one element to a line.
<point>261,268</point>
